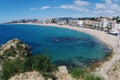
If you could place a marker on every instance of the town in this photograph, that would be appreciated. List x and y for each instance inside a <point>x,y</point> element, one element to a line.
<point>110,25</point>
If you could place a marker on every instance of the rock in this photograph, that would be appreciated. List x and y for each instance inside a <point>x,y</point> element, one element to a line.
<point>28,76</point>
<point>114,72</point>
<point>63,70</point>
<point>49,79</point>
<point>14,49</point>
<point>62,74</point>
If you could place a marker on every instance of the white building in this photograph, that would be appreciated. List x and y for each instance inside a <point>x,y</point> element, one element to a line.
<point>104,23</point>
<point>117,26</point>
<point>112,23</point>
<point>80,22</point>
<point>115,29</point>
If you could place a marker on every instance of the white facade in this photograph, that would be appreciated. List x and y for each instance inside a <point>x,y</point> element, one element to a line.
<point>80,22</point>
<point>117,26</point>
<point>115,29</point>
<point>104,23</point>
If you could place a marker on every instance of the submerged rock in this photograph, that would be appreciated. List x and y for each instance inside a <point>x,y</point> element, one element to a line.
<point>68,39</point>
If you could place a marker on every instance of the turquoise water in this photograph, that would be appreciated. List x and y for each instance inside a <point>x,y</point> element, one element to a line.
<point>64,46</point>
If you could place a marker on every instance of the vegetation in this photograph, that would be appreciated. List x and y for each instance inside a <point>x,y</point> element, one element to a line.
<point>9,52</point>
<point>39,63</point>
<point>93,77</point>
<point>108,29</point>
<point>117,18</point>
<point>84,74</point>
<point>78,73</point>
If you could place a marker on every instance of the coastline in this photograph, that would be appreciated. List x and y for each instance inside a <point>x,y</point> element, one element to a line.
<point>108,39</point>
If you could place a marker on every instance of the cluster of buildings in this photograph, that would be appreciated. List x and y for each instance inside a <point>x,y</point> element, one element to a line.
<point>100,23</point>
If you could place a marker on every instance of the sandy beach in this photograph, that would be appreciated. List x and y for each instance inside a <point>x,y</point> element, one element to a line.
<point>108,39</point>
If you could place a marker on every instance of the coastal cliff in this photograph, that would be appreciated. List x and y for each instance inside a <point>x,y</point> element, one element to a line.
<point>14,49</point>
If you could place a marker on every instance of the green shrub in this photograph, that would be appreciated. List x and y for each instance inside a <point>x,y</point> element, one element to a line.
<point>92,77</point>
<point>9,52</point>
<point>8,69</point>
<point>42,63</point>
<point>78,73</point>
<point>39,63</point>
<point>26,64</point>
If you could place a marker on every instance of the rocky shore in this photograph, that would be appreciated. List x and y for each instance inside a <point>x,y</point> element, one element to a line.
<point>60,74</point>
<point>114,71</point>
<point>14,49</point>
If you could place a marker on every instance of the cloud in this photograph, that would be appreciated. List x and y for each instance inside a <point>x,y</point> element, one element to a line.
<point>108,1</point>
<point>32,9</point>
<point>100,6</point>
<point>108,8</point>
<point>116,0</point>
<point>67,6</point>
<point>45,7</point>
<point>81,3</point>
<point>72,7</point>
<point>78,5</point>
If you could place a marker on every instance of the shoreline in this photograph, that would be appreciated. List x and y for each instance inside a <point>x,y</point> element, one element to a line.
<point>109,40</point>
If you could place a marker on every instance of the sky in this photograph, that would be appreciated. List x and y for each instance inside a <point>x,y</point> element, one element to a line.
<point>30,9</point>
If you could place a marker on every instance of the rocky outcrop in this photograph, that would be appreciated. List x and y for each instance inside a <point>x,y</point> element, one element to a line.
<point>114,71</point>
<point>62,74</point>
<point>13,49</point>
<point>28,76</point>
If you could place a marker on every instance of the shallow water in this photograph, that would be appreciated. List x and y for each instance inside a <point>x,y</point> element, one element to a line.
<point>64,46</point>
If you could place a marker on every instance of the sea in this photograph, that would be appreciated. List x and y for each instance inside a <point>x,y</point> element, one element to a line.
<point>63,46</point>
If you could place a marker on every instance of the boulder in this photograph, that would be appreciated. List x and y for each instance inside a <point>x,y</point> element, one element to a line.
<point>62,74</point>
